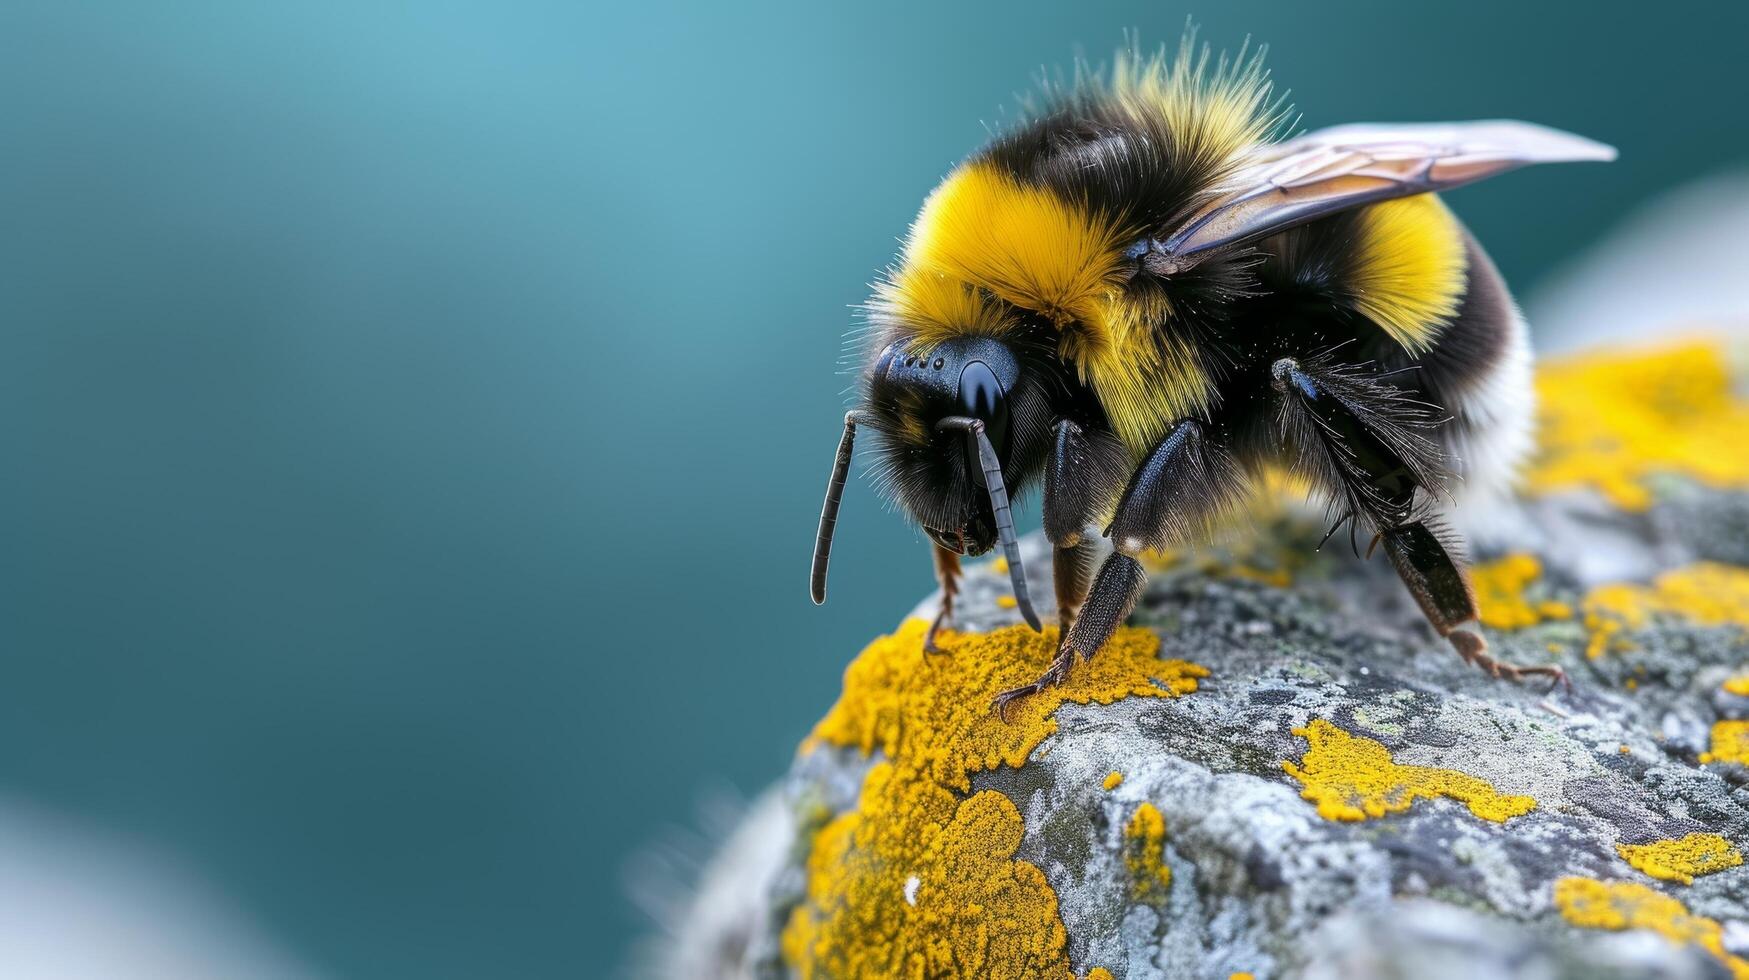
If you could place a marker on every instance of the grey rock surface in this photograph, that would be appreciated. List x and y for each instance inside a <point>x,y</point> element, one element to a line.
<point>1341,796</point>
<point>1261,882</point>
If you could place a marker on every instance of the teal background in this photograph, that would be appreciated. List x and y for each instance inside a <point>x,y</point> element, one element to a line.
<point>414,415</point>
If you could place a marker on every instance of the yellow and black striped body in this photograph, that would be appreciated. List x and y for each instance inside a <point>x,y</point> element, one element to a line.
<point>1042,239</point>
<point>1137,298</point>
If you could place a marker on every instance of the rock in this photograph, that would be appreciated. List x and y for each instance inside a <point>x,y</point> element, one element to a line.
<point>1278,770</point>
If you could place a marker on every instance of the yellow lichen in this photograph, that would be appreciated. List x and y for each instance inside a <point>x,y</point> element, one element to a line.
<point>1006,602</point>
<point>974,910</point>
<point>1500,594</point>
<point>1099,973</point>
<point>1113,779</point>
<point>1738,685</point>
<point>1144,844</point>
<point>1353,778</point>
<point>1240,976</point>
<point>1683,858</point>
<point>1240,559</point>
<point>1609,421</point>
<point>1261,538</point>
<point>1616,905</point>
<point>1730,743</point>
<point>1706,593</point>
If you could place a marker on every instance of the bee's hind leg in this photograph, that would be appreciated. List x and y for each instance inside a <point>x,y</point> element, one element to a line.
<point>1366,441</point>
<point>947,573</point>
<point>1179,483</point>
<point>1444,594</point>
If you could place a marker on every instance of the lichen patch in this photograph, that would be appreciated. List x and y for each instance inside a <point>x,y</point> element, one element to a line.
<point>1616,905</point>
<point>1611,421</point>
<point>1705,593</point>
<point>1730,743</point>
<point>975,910</point>
<point>1144,853</point>
<point>1682,859</point>
<point>1504,594</point>
<point>1510,595</point>
<point>1354,778</point>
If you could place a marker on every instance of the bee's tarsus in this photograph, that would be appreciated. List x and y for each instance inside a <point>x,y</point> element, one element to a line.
<point>1055,674</point>
<point>1473,648</point>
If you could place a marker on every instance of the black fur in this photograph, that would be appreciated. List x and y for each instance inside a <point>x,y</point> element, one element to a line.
<point>934,481</point>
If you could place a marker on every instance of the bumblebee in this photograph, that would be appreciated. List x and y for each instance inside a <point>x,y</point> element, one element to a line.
<point>1141,299</point>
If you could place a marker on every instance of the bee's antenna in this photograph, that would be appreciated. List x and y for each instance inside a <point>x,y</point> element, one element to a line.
<point>992,468</point>
<point>829,510</point>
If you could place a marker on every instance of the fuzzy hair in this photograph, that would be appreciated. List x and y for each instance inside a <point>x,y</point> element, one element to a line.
<point>1038,223</point>
<point>1401,423</point>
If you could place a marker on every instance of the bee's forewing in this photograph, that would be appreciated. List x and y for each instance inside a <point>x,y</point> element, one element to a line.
<point>1345,167</point>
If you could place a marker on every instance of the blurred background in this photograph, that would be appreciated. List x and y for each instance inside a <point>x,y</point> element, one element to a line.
<point>415,416</point>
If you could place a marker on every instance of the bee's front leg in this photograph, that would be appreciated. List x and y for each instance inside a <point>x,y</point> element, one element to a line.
<point>1179,485</point>
<point>947,573</point>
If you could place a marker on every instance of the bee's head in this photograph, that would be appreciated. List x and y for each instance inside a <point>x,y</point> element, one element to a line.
<point>959,424</point>
<point>921,400</point>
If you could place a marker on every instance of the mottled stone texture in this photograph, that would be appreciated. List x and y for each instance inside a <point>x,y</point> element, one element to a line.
<point>1326,666</point>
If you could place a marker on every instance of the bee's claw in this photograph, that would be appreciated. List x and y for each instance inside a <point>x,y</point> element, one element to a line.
<point>1474,650</point>
<point>930,645</point>
<point>1001,702</point>
<point>1055,674</point>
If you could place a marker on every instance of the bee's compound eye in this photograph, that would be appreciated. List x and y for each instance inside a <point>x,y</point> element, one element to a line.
<point>981,397</point>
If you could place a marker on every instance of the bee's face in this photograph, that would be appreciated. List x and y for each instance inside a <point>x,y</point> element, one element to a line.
<point>933,470</point>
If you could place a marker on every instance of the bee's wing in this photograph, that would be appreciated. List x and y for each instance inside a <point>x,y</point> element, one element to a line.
<point>1345,167</point>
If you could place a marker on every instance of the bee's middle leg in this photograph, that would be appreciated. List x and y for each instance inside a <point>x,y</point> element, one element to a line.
<point>1083,475</point>
<point>1180,482</point>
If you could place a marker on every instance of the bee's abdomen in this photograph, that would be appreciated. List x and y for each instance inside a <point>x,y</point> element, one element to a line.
<point>1457,341</point>
<point>1479,371</point>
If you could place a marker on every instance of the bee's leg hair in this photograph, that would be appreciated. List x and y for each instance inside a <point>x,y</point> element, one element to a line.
<point>1177,486</point>
<point>947,572</point>
<point>1366,442</point>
